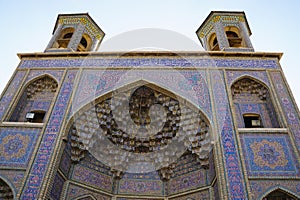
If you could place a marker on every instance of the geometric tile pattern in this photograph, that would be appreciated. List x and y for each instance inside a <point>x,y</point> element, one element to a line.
<point>145,187</point>
<point>260,188</point>
<point>92,177</point>
<point>42,159</point>
<point>14,176</point>
<point>232,76</point>
<point>10,92</point>
<point>268,155</point>
<point>16,146</point>
<point>75,191</point>
<point>191,85</point>
<point>57,187</point>
<point>288,106</point>
<point>203,195</point>
<point>150,62</point>
<point>234,175</point>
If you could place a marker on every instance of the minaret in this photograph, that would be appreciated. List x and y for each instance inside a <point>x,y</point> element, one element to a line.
<point>225,31</point>
<point>75,33</point>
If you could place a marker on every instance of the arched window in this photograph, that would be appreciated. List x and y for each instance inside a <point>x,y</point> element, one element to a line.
<point>253,105</point>
<point>35,101</point>
<point>233,36</point>
<point>64,38</point>
<point>279,195</point>
<point>5,191</point>
<point>84,43</point>
<point>213,43</point>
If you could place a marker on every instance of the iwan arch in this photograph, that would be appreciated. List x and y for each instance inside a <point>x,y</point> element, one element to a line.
<point>215,124</point>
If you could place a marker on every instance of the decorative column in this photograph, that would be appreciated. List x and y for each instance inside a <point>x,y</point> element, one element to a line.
<point>54,36</point>
<point>245,36</point>
<point>221,36</point>
<point>76,37</point>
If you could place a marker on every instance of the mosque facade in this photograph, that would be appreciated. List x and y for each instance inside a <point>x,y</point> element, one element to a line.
<point>80,124</point>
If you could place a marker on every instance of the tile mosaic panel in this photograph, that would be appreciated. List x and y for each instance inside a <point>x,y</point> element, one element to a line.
<point>267,117</point>
<point>75,191</point>
<point>10,92</point>
<point>150,62</point>
<point>139,186</point>
<point>234,175</point>
<point>142,176</point>
<point>57,74</point>
<point>187,182</point>
<point>216,191</point>
<point>138,198</point>
<point>17,145</point>
<point>232,76</point>
<point>92,178</point>
<point>269,155</point>
<point>57,187</point>
<point>260,188</point>
<point>65,163</point>
<point>288,107</point>
<point>14,176</point>
<point>41,162</point>
<point>186,164</point>
<point>203,195</point>
<point>92,163</point>
<point>190,85</point>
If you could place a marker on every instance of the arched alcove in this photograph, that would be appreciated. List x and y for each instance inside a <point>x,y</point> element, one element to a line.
<point>279,194</point>
<point>85,43</point>
<point>5,191</point>
<point>112,132</point>
<point>234,37</point>
<point>35,100</point>
<point>213,42</point>
<point>64,38</point>
<point>253,104</point>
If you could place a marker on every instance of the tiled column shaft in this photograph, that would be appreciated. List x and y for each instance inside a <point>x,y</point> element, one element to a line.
<point>55,36</point>
<point>244,34</point>
<point>76,37</point>
<point>221,36</point>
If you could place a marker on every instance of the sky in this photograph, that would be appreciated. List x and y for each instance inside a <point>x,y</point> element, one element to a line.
<point>26,26</point>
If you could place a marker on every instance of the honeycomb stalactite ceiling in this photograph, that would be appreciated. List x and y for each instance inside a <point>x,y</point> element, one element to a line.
<point>251,87</point>
<point>42,85</point>
<point>140,130</point>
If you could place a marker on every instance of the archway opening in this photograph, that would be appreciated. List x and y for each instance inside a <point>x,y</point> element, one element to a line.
<point>5,191</point>
<point>279,195</point>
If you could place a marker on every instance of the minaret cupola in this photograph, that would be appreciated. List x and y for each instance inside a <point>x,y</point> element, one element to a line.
<point>225,31</point>
<point>75,33</point>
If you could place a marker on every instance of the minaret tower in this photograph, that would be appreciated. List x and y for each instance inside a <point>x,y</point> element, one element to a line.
<point>225,31</point>
<point>75,33</point>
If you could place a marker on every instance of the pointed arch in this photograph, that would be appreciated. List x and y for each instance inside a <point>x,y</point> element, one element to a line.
<point>135,84</point>
<point>35,98</point>
<point>7,190</point>
<point>32,79</point>
<point>234,36</point>
<point>253,103</point>
<point>85,197</point>
<point>62,41</point>
<point>279,190</point>
<point>245,76</point>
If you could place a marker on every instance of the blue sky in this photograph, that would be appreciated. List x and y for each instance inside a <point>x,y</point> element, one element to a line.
<point>26,26</point>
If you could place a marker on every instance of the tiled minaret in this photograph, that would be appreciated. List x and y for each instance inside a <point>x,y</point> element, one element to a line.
<point>225,31</point>
<point>75,32</point>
